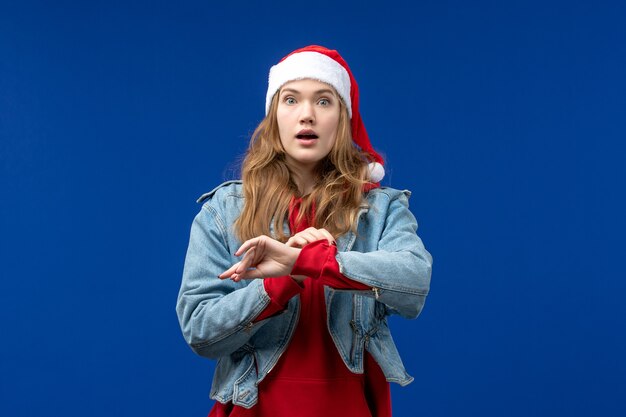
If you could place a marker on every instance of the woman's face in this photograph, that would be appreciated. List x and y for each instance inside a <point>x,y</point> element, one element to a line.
<point>308,116</point>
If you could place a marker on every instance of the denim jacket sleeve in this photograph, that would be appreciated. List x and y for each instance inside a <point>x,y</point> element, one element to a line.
<point>216,316</point>
<point>395,263</point>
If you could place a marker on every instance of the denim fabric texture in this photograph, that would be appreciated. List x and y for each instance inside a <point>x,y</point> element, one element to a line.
<point>216,316</point>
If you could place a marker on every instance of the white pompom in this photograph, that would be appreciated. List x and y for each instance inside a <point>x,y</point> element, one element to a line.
<point>377,172</point>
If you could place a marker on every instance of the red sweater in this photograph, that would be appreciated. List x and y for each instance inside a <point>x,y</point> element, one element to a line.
<point>310,379</point>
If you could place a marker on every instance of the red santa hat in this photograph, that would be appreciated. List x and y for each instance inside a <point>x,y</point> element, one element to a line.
<point>326,65</point>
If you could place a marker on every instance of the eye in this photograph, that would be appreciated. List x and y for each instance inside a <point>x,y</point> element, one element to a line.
<point>324,102</point>
<point>289,100</point>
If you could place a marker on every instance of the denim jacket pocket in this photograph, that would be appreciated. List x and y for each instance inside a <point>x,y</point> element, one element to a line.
<point>235,379</point>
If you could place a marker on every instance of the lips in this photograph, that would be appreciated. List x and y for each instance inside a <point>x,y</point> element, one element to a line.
<point>307,134</point>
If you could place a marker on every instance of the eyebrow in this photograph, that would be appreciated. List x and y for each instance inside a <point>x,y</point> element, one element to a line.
<point>318,92</point>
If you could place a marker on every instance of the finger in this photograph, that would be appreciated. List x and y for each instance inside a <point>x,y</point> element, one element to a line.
<point>299,241</point>
<point>326,235</point>
<point>247,261</point>
<point>251,274</point>
<point>323,234</point>
<point>229,272</point>
<point>314,234</point>
<point>237,277</point>
<point>247,245</point>
<point>293,241</point>
<point>259,252</point>
<point>310,235</point>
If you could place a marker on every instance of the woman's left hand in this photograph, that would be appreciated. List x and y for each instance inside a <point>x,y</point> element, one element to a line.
<point>263,257</point>
<point>309,235</point>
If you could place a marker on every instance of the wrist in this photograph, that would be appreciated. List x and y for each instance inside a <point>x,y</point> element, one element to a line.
<point>295,252</point>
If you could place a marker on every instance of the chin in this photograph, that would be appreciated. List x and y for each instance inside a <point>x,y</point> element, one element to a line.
<point>305,162</point>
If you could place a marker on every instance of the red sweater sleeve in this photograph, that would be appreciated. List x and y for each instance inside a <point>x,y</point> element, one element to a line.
<point>317,260</point>
<point>280,290</point>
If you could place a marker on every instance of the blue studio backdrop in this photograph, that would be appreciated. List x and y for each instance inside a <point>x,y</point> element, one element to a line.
<point>505,119</point>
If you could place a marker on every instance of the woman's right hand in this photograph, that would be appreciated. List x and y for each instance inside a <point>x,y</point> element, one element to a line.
<point>309,235</point>
<point>263,257</point>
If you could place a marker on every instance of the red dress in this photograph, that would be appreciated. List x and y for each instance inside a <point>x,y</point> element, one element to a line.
<point>310,379</point>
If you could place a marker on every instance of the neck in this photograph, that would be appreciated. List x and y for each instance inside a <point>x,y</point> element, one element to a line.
<point>304,178</point>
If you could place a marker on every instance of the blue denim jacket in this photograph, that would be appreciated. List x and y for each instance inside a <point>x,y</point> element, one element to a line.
<point>217,316</point>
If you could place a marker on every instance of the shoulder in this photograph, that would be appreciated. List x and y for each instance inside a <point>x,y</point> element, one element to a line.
<point>224,202</point>
<point>228,189</point>
<point>385,195</point>
<point>386,202</point>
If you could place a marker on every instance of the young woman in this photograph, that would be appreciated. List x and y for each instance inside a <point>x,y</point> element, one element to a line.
<point>291,273</point>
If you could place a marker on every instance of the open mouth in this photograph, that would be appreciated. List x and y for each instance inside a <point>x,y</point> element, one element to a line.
<point>306,134</point>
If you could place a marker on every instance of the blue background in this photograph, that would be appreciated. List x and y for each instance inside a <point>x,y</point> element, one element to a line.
<point>505,119</point>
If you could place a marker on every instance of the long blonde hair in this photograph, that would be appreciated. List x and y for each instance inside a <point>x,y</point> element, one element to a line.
<point>268,185</point>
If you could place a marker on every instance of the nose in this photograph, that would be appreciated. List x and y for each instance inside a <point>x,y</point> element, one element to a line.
<point>307,115</point>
